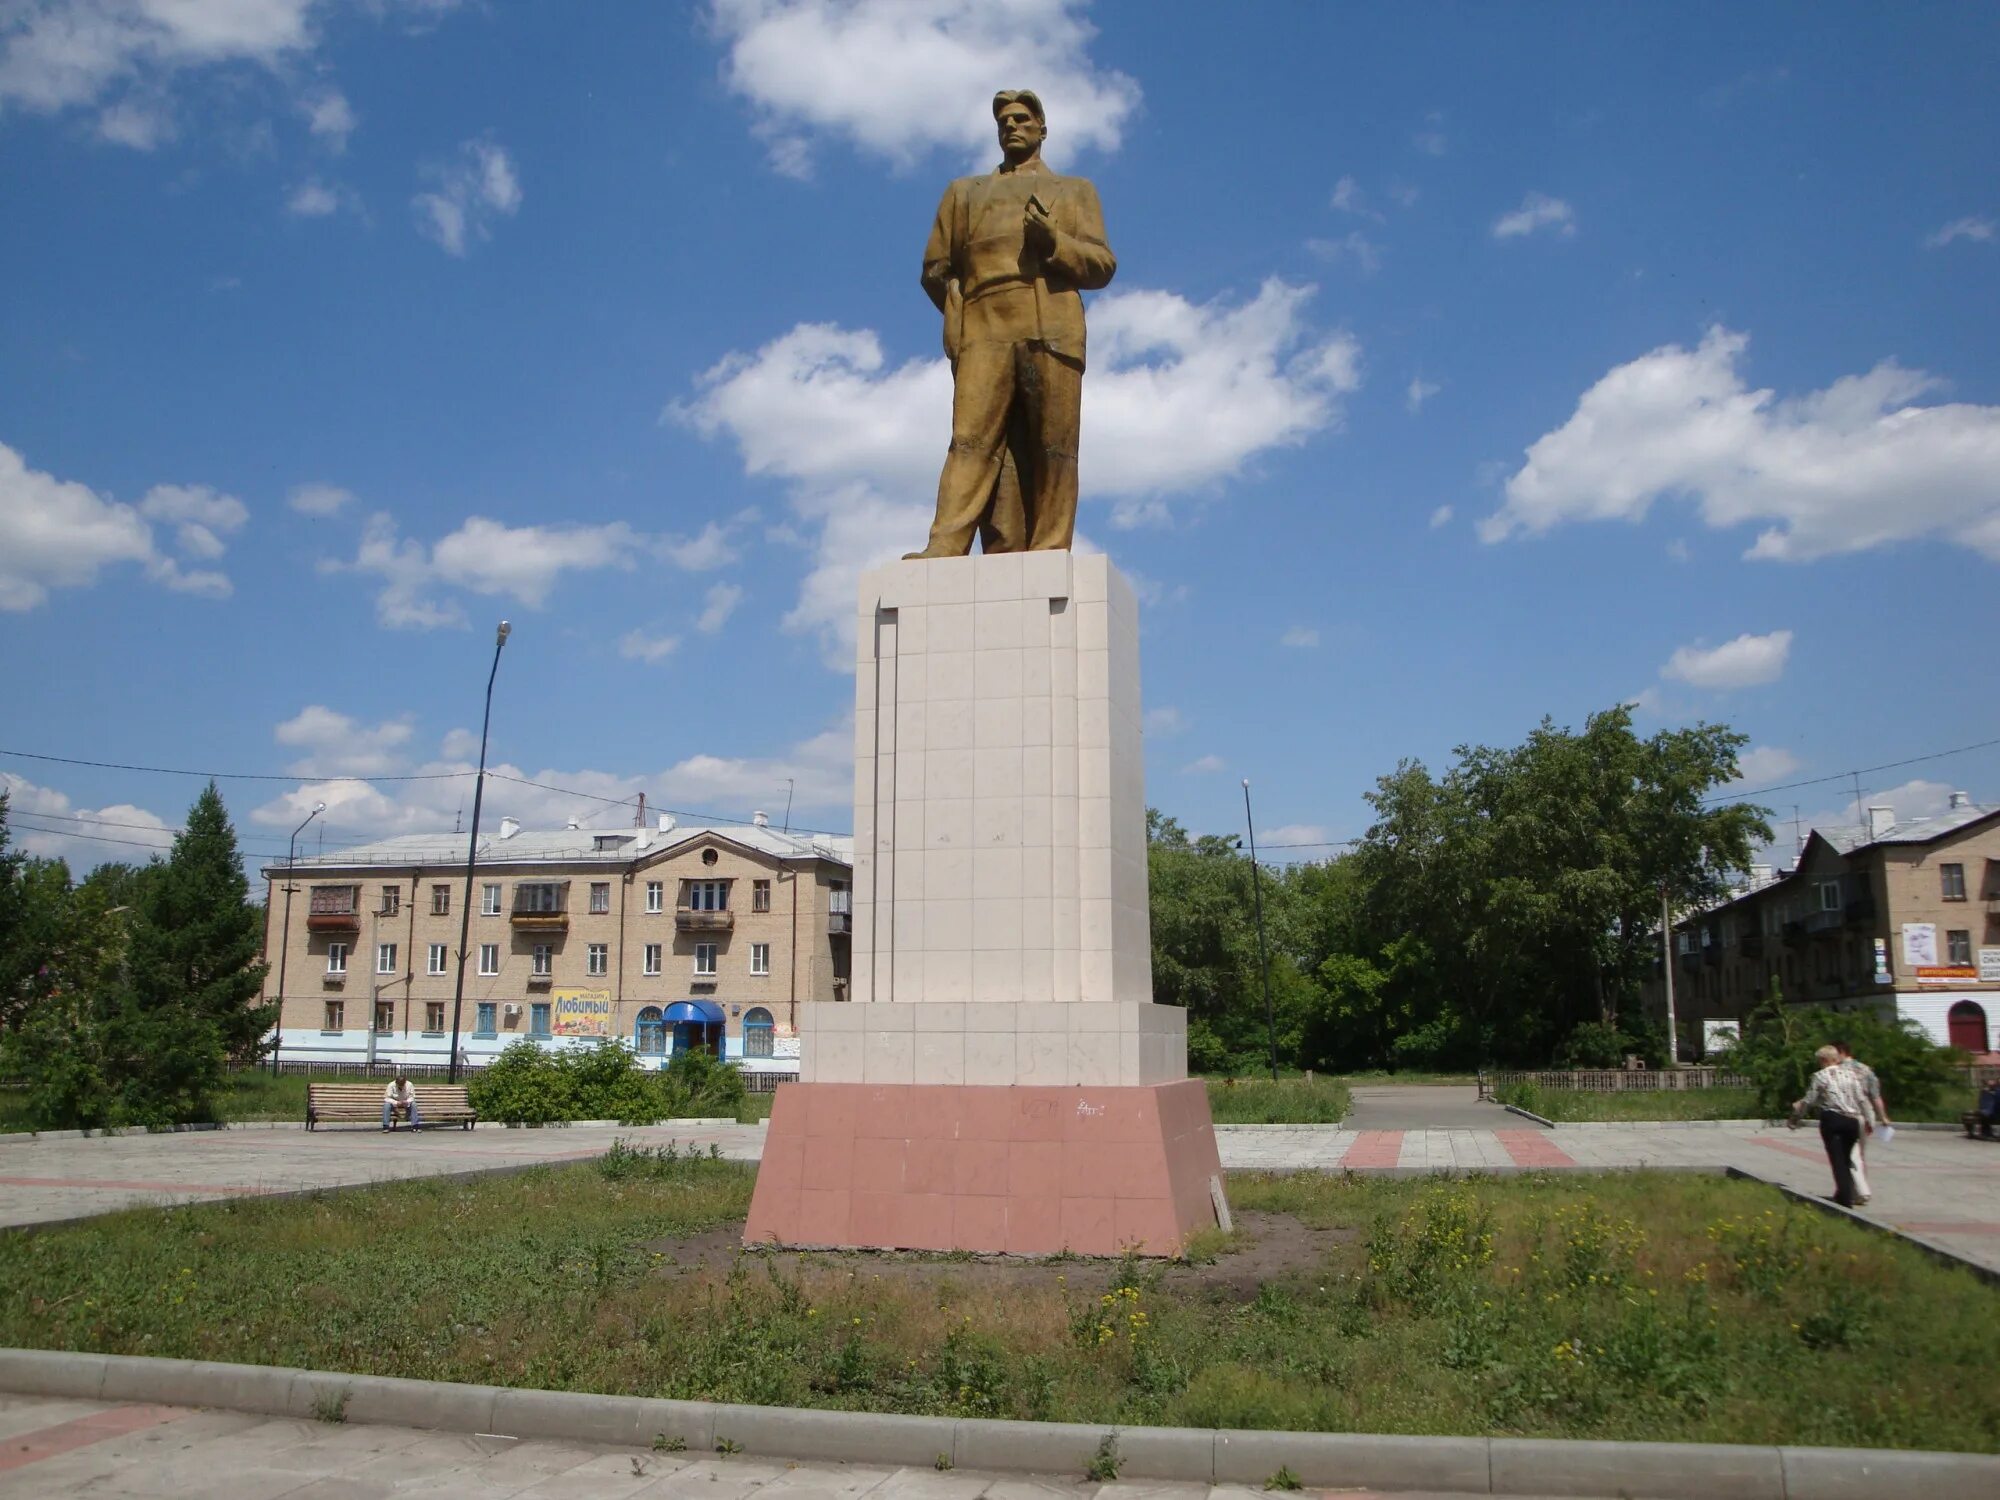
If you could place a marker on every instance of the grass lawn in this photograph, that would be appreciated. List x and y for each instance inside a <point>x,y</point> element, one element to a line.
<point>1635,1306</point>
<point>1288,1101</point>
<point>1686,1104</point>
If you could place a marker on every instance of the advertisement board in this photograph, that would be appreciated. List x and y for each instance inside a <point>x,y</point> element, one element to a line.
<point>1919,944</point>
<point>1946,974</point>
<point>582,1013</point>
<point>1989,965</point>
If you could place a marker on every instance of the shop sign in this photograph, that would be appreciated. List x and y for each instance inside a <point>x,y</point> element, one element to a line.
<point>582,1013</point>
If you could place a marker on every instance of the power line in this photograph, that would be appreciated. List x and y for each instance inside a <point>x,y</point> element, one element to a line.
<point>1893,765</point>
<point>96,838</point>
<point>112,765</point>
<point>141,827</point>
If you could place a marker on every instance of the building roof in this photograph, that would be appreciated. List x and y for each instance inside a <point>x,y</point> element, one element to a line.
<point>609,847</point>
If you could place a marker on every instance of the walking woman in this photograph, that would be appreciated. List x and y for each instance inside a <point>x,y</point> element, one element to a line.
<point>1837,1093</point>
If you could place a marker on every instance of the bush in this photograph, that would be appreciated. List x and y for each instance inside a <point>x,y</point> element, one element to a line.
<point>1776,1055</point>
<point>534,1085</point>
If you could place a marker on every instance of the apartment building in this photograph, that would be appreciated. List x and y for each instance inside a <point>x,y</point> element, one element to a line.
<point>1902,918</point>
<point>666,936</point>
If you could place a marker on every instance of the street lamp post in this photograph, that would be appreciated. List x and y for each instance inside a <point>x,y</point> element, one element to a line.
<point>1263,953</point>
<point>472,852</point>
<point>285,942</point>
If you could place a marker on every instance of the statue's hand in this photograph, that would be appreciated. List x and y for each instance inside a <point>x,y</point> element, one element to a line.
<point>1040,228</point>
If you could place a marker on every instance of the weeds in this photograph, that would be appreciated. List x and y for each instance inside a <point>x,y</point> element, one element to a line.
<point>332,1407</point>
<point>1284,1479</point>
<point>1104,1467</point>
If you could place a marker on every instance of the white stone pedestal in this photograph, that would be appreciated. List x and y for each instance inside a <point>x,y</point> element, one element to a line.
<point>1000,920</point>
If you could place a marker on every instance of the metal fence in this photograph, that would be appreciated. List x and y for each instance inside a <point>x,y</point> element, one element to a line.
<point>1618,1080</point>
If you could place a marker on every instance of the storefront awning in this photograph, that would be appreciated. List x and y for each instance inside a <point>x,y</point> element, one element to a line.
<point>705,1012</point>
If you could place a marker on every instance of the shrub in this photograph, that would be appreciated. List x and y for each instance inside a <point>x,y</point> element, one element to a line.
<point>1776,1055</point>
<point>534,1085</point>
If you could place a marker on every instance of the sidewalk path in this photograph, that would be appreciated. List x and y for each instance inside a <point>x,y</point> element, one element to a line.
<point>67,1450</point>
<point>1429,1106</point>
<point>1936,1184</point>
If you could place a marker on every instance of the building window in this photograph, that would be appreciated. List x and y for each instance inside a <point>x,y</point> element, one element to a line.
<point>392,900</point>
<point>434,1017</point>
<point>757,1033</point>
<point>489,899</point>
<point>650,1036</point>
<point>704,958</point>
<point>707,895</point>
<point>538,1018</point>
<point>336,958</point>
<point>652,958</point>
<point>760,958</point>
<point>487,1023</point>
<point>600,896</point>
<point>440,955</point>
<point>539,896</point>
<point>385,958</point>
<point>440,900</point>
<point>656,895</point>
<point>545,957</point>
<point>1952,879</point>
<point>335,1018</point>
<point>600,959</point>
<point>1958,948</point>
<point>489,958</point>
<point>1829,895</point>
<point>385,1017</point>
<point>760,895</point>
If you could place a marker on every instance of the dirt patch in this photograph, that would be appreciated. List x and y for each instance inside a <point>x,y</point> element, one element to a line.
<point>1265,1247</point>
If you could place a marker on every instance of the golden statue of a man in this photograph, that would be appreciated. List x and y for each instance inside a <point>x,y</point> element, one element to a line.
<point>1008,259</point>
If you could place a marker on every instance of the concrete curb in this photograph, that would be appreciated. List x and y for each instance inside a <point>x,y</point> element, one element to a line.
<point>1930,1247</point>
<point>115,1131</point>
<point>1319,1460</point>
<point>1526,1114</point>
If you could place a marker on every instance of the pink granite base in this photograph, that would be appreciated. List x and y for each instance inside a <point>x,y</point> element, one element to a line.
<point>1025,1171</point>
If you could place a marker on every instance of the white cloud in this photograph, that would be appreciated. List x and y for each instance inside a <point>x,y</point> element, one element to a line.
<point>1441,518</point>
<point>1761,764</point>
<point>1309,838</point>
<point>459,744</point>
<point>468,193</point>
<point>44,822</point>
<point>319,499</point>
<point>140,124</point>
<point>718,607</point>
<point>1349,199</point>
<point>329,117</point>
<point>710,549</point>
<point>636,645</point>
<point>1180,397</point>
<point>1405,194</point>
<point>1980,231</point>
<point>1537,211</point>
<point>484,556</point>
<point>1303,637</point>
<point>1854,466</point>
<point>1204,765</point>
<point>312,199</point>
<point>1165,722</point>
<point>1354,248</point>
<point>1677,549</point>
<point>57,534</point>
<point>1747,661</point>
<point>900,80</point>
<point>71,52</point>
<point>333,741</point>
<point>1420,390</point>
<point>1909,801</point>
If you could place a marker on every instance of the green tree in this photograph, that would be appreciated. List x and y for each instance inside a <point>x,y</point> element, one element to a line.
<point>196,947</point>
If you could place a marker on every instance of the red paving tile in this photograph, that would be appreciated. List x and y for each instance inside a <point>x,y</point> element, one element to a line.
<point>1374,1148</point>
<point>1532,1148</point>
<point>1801,1152</point>
<point>66,1437</point>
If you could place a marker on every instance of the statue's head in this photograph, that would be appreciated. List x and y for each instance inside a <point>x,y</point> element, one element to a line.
<point>1022,124</point>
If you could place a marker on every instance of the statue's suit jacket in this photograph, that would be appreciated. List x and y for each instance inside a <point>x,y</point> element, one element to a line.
<point>1081,260</point>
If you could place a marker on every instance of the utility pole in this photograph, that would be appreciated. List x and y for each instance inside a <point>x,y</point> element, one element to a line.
<point>1667,952</point>
<point>285,942</point>
<point>472,853</point>
<point>1263,953</point>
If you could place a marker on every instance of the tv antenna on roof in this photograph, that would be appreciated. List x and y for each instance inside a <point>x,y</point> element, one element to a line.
<point>790,784</point>
<point>458,817</point>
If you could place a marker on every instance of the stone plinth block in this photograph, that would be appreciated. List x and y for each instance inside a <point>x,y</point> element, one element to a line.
<point>1019,1170</point>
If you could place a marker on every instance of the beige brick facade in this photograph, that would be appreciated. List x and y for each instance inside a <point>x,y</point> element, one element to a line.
<point>573,935</point>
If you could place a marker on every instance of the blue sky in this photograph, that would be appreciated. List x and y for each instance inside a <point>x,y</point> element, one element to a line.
<point>1464,365</point>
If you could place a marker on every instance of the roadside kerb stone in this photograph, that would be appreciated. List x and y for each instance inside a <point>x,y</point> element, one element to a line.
<point>1877,1474</point>
<point>1480,1466</point>
<point>626,1421</point>
<point>1040,1447</point>
<point>1941,1253</point>
<point>838,1436</point>
<point>1528,1114</point>
<point>1660,1471</point>
<point>1328,1460</point>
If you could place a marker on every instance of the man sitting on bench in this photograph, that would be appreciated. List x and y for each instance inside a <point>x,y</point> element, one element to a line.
<point>400,1097</point>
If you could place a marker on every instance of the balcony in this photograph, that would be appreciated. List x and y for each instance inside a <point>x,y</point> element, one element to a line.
<point>839,914</point>
<point>1794,934</point>
<point>1824,921</point>
<point>540,981</point>
<point>540,908</point>
<point>1860,911</point>
<point>333,920</point>
<point>687,919</point>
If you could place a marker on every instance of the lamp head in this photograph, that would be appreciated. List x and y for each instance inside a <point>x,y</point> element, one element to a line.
<point>505,630</point>
<point>319,807</point>
<point>1246,783</point>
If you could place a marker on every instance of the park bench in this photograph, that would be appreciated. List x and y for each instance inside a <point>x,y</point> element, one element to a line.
<point>361,1103</point>
<point>1976,1124</point>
